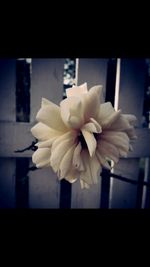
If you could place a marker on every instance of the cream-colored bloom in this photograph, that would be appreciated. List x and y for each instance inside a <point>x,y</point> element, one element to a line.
<point>81,136</point>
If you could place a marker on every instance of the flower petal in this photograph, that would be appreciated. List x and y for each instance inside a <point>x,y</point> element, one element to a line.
<point>119,139</point>
<point>46,102</point>
<point>102,160</point>
<point>92,127</point>
<point>123,122</point>
<point>86,175</point>
<point>97,125</point>
<point>131,118</point>
<point>107,115</point>
<point>72,176</point>
<point>41,157</point>
<point>72,112</point>
<point>59,149</point>
<point>71,179</point>
<point>95,169</point>
<point>92,102</point>
<point>77,90</point>
<point>77,160</point>
<point>42,132</point>
<point>66,162</point>
<point>92,168</point>
<point>49,114</point>
<point>69,136</point>
<point>84,185</point>
<point>131,133</point>
<point>90,141</point>
<point>108,150</point>
<point>47,143</point>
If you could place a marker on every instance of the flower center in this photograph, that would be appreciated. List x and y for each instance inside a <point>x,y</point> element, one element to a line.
<point>82,140</point>
<point>96,135</point>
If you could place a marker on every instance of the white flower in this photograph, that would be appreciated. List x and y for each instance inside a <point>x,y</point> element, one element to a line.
<point>78,138</point>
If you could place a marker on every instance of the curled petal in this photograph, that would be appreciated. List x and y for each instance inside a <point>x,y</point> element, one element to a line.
<point>49,114</point>
<point>92,102</point>
<point>107,115</point>
<point>41,157</point>
<point>92,127</point>
<point>90,141</point>
<point>97,125</point>
<point>72,112</point>
<point>42,132</point>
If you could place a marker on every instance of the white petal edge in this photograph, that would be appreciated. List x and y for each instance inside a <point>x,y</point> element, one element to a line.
<point>77,90</point>
<point>91,102</point>
<point>41,157</point>
<point>72,112</point>
<point>102,160</point>
<point>118,139</point>
<point>48,143</point>
<point>43,132</point>
<point>107,115</point>
<point>49,114</point>
<point>108,150</point>
<point>84,184</point>
<point>72,176</point>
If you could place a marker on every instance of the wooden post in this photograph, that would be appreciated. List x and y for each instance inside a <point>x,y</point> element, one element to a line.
<point>123,195</point>
<point>46,81</point>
